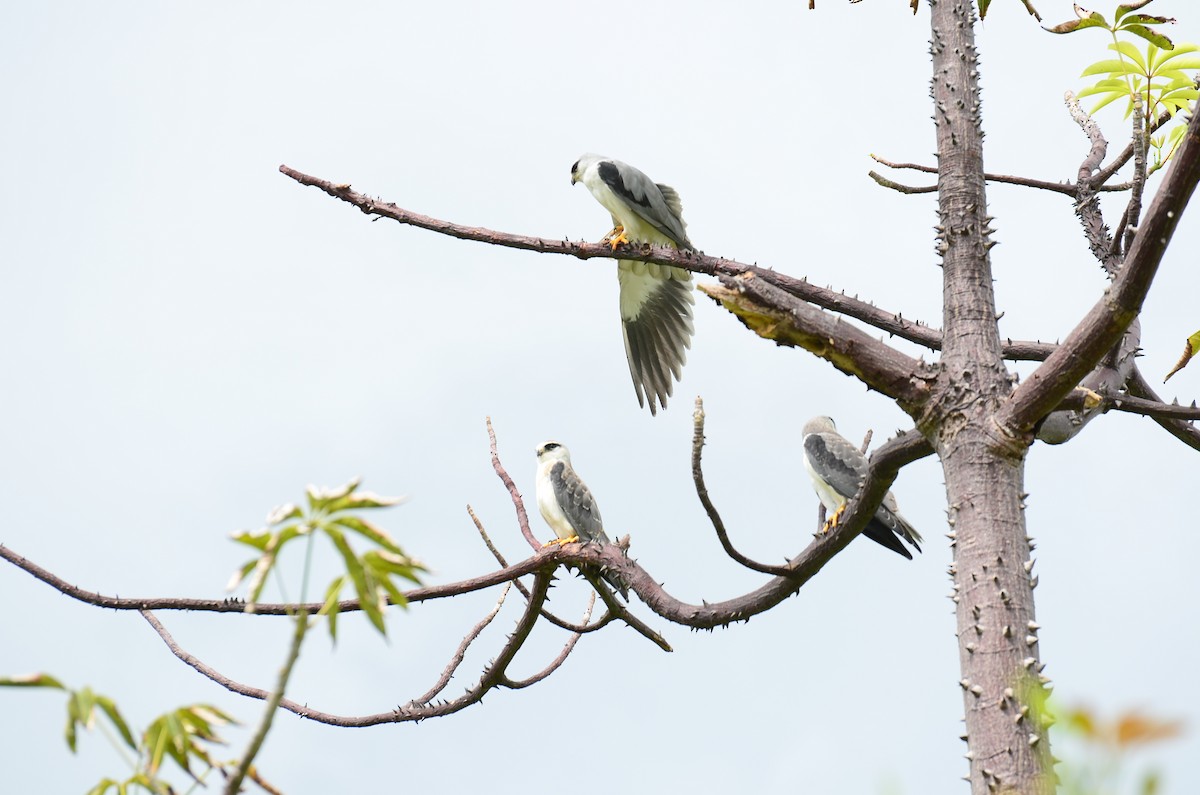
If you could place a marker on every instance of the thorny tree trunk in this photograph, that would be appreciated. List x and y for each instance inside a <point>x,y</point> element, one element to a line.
<point>984,470</point>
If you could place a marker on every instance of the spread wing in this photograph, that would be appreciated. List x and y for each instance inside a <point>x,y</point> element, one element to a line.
<point>660,209</point>
<point>656,322</point>
<point>577,503</point>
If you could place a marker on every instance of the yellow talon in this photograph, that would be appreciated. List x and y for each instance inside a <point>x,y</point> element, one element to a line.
<point>560,541</point>
<point>832,521</point>
<point>617,237</point>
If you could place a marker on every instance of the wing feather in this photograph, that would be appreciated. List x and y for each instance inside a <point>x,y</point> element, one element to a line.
<point>577,503</point>
<point>646,199</point>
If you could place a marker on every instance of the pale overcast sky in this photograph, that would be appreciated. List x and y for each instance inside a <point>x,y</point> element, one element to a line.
<point>190,338</point>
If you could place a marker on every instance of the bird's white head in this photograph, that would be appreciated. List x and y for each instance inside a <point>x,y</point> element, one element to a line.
<point>553,451</point>
<point>581,165</point>
<point>819,425</point>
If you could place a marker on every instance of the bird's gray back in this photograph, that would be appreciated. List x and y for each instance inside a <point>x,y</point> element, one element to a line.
<point>839,463</point>
<point>577,503</point>
<point>661,209</point>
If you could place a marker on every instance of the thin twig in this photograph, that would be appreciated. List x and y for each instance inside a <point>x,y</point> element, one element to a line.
<point>546,614</point>
<point>461,652</point>
<point>1184,431</point>
<point>518,504</point>
<point>517,684</point>
<point>900,187</point>
<point>234,784</point>
<point>1065,188</point>
<point>710,509</point>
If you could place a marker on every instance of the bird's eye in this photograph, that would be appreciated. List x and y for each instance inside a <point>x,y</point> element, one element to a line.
<point>551,446</point>
<point>575,167</point>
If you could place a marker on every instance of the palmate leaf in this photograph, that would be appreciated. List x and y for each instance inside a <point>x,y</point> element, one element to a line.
<point>331,511</point>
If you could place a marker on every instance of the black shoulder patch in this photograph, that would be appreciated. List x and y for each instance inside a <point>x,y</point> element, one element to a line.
<point>612,178</point>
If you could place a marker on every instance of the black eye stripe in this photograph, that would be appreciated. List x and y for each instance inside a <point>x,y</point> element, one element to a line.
<point>575,167</point>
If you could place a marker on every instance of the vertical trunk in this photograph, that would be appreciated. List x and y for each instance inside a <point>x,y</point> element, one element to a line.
<point>984,470</point>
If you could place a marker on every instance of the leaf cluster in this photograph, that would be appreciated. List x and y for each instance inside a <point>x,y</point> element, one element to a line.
<point>334,513</point>
<point>1162,77</point>
<point>175,735</point>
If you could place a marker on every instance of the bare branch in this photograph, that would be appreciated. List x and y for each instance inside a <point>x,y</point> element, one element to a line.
<point>1087,202</point>
<point>1103,326</point>
<point>881,319</point>
<point>557,661</point>
<point>522,517</point>
<point>710,509</point>
<point>492,678</point>
<point>461,652</point>
<point>770,313</point>
<point>1185,432</point>
<point>898,187</point>
<point>1065,188</point>
<point>546,614</point>
<point>884,464</point>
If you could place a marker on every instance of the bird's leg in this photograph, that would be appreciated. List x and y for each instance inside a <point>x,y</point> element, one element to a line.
<point>560,541</point>
<point>616,237</point>
<point>832,521</point>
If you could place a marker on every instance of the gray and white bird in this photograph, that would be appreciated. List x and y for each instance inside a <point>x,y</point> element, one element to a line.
<point>655,300</point>
<point>568,506</point>
<point>837,469</point>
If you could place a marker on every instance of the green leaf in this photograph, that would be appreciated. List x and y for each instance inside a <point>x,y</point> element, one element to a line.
<point>1192,63</point>
<point>363,499</point>
<point>366,595</point>
<point>1105,100</point>
<point>240,574</point>
<point>1131,52</point>
<point>256,539</point>
<point>1190,346</point>
<point>320,498</point>
<point>283,513</point>
<point>73,719</point>
<point>391,563</point>
<point>1150,35</point>
<point>110,709</point>
<point>104,786</point>
<point>983,7</point>
<point>369,531</point>
<point>1145,19</point>
<point>1125,8</point>
<point>330,608</point>
<point>32,680</point>
<point>1078,24</point>
<point>1111,67</point>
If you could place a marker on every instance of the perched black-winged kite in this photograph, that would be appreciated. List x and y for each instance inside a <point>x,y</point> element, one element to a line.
<point>837,469</point>
<point>655,300</point>
<point>567,505</point>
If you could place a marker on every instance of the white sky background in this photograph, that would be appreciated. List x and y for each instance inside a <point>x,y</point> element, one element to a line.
<point>189,338</point>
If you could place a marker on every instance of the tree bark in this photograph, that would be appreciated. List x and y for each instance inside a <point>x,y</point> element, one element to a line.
<point>983,466</point>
